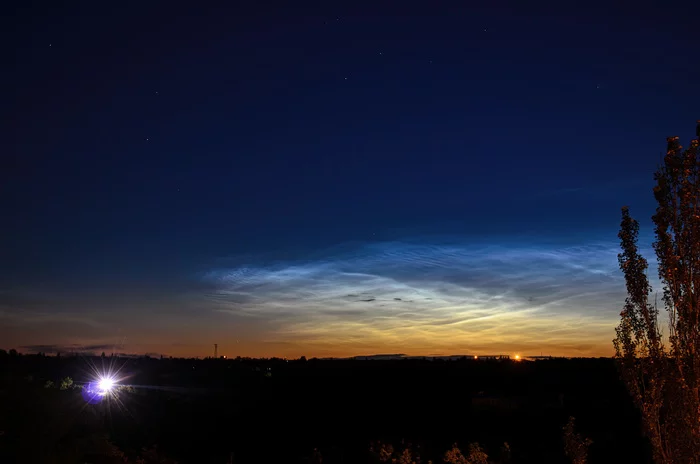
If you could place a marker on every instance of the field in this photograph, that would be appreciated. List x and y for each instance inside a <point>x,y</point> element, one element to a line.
<point>253,411</point>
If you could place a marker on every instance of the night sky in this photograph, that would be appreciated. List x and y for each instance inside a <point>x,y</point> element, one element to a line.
<point>331,179</point>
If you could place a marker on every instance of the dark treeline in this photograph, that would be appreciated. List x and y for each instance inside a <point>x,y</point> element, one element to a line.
<point>208,411</point>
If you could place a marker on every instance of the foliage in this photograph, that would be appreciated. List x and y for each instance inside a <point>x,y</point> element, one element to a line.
<point>475,455</point>
<point>664,379</point>
<point>316,457</point>
<point>575,446</point>
<point>153,456</point>
<point>66,383</point>
<point>49,384</point>
<point>505,453</point>
<point>385,452</point>
<point>408,454</point>
<point>125,389</point>
<point>406,457</point>
<point>147,456</point>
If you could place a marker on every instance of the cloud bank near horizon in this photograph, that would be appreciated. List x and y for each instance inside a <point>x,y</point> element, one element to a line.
<point>424,298</point>
<point>420,297</point>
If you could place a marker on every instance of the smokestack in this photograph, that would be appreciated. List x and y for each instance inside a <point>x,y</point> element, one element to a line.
<point>216,351</point>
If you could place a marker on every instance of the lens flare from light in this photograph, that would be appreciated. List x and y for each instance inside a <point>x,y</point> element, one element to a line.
<point>104,382</point>
<point>102,387</point>
<point>105,385</point>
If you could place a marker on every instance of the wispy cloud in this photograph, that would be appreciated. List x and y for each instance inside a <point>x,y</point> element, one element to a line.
<point>435,297</point>
<point>54,348</point>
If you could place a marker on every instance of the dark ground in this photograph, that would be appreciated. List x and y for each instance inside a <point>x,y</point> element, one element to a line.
<point>278,411</point>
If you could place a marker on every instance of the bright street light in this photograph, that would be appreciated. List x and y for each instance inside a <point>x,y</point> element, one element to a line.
<point>105,385</point>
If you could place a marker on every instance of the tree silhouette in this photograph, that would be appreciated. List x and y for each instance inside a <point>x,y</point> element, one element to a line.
<point>575,445</point>
<point>664,380</point>
<point>316,457</point>
<point>476,455</point>
<point>505,453</point>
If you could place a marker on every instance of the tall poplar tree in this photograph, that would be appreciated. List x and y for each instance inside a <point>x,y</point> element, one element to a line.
<point>663,376</point>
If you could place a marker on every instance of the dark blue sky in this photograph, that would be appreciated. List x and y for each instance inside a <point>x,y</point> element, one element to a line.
<point>150,149</point>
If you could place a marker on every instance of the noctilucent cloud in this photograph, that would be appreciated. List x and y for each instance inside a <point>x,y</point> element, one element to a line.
<point>331,181</point>
<point>423,298</point>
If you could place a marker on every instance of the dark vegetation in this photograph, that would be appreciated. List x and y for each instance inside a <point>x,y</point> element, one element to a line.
<point>662,371</point>
<point>343,411</point>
